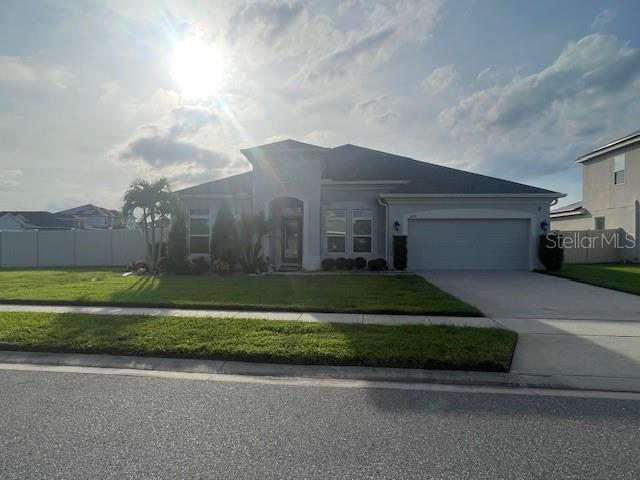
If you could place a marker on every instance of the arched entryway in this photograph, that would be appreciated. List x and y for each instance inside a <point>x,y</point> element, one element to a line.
<point>285,216</point>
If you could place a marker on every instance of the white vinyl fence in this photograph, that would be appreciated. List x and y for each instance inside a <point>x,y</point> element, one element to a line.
<point>70,248</point>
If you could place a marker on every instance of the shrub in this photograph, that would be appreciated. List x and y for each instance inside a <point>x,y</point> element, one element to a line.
<point>221,267</point>
<point>399,252</point>
<point>177,249</point>
<point>550,251</point>
<point>199,265</point>
<point>135,265</point>
<point>328,264</point>
<point>350,264</point>
<point>377,264</point>
<point>341,263</point>
<point>252,228</point>
<point>361,263</point>
<point>224,236</point>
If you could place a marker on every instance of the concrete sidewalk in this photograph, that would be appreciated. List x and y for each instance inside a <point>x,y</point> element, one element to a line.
<point>366,319</point>
<point>576,354</point>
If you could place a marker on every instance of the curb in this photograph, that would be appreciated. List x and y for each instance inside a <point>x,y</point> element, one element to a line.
<point>371,374</point>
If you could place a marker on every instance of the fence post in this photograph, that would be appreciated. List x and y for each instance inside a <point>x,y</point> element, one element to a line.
<point>588,248</point>
<point>75,261</point>
<point>110,246</point>
<point>37,238</point>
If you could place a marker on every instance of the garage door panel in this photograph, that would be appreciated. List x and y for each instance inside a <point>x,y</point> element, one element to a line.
<point>468,244</point>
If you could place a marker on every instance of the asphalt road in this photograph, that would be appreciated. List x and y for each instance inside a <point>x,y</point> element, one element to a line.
<point>68,425</point>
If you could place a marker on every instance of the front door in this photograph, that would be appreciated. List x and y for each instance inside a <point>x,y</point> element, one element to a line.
<point>291,236</point>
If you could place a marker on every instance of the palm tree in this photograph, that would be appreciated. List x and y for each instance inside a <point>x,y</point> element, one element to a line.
<point>153,201</point>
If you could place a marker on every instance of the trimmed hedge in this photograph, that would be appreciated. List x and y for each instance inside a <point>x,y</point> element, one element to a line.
<point>400,252</point>
<point>361,263</point>
<point>377,264</point>
<point>550,251</point>
<point>328,264</point>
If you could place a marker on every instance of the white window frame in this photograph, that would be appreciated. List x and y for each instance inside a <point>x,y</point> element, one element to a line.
<point>623,160</point>
<point>208,234</point>
<point>353,234</point>
<point>327,235</point>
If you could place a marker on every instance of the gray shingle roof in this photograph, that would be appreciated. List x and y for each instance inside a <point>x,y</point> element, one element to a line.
<point>568,208</point>
<point>233,185</point>
<point>354,163</point>
<point>350,162</point>
<point>38,219</point>
<point>624,141</point>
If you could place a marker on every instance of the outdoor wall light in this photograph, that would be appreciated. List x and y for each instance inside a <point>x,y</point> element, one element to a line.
<point>544,225</point>
<point>396,225</point>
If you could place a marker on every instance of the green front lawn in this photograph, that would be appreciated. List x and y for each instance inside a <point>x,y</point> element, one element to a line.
<point>415,346</point>
<point>617,276</point>
<point>406,294</point>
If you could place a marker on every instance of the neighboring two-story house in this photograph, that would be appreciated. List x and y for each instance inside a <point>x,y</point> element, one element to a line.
<point>610,191</point>
<point>351,201</point>
<point>90,217</point>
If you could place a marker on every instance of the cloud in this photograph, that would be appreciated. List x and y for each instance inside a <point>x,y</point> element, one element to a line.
<point>440,79</point>
<point>18,73</point>
<point>191,118</point>
<point>539,123</point>
<point>161,151</point>
<point>324,138</point>
<point>266,20</point>
<point>595,65</point>
<point>10,178</point>
<point>385,29</point>
<point>376,110</point>
<point>603,19</point>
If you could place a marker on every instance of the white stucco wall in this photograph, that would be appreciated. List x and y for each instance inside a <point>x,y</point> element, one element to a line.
<point>298,178</point>
<point>351,197</point>
<point>536,210</point>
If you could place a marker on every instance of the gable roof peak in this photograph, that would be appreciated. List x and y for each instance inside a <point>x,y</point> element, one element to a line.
<point>286,144</point>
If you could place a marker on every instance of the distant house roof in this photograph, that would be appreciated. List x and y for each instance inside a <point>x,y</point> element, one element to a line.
<point>37,219</point>
<point>228,186</point>
<point>89,210</point>
<point>354,163</point>
<point>625,141</point>
<point>571,209</point>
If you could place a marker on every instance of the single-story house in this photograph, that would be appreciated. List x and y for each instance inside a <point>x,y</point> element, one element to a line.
<point>351,201</point>
<point>30,220</point>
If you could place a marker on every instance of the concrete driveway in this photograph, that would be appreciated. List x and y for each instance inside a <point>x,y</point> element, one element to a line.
<point>519,294</point>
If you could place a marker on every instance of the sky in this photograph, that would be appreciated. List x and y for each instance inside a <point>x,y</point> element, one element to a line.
<point>96,93</point>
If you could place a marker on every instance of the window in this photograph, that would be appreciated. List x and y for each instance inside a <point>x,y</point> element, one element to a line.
<point>599,223</point>
<point>618,169</point>
<point>199,230</point>
<point>336,231</point>
<point>361,230</point>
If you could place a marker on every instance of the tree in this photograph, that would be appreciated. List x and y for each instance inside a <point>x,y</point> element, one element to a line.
<point>177,249</point>
<point>252,228</point>
<point>224,236</point>
<point>153,201</point>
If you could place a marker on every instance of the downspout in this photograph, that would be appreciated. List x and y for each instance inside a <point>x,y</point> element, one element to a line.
<point>386,228</point>
<point>637,232</point>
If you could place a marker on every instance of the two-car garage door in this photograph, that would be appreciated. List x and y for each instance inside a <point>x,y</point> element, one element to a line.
<point>496,244</point>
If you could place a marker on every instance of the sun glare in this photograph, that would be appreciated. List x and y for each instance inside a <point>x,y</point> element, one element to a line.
<point>197,68</point>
